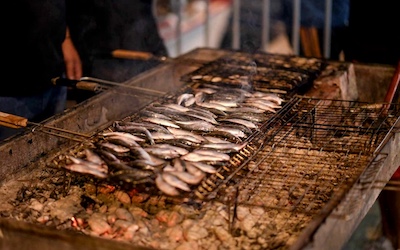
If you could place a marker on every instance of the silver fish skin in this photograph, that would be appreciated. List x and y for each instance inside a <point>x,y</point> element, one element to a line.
<point>196,157</point>
<point>207,168</point>
<point>144,155</point>
<point>166,188</point>
<point>191,169</point>
<point>264,102</point>
<point>268,96</point>
<point>196,125</point>
<point>226,103</point>
<point>205,90</point>
<point>175,181</point>
<point>177,107</point>
<point>149,113</point>
<point>85,169</point>
<point>179,150</point>
<point>189,102</point>
<point>183,98</point>
<point>163,153</point>
<point>213,106</point>
<point>183,132</point>
<point>243,109</point>
<point>188,178</point>
<point>102,167</point>
<point>253,117</point>
<point>224,146</point>
<point>133,126</point>
<point>246,123</point>
<point>178,164</point>
<point>202,117</point>
<point>260,106</point>
<point>163,122</point>
<point>223,156</point>
<point>122,134</point>
<point>235,132</point>
<point>114,147</point>
<point>204,112</point>
<point>213,139</point>
<point>93,157</point>
<point>161,136</point>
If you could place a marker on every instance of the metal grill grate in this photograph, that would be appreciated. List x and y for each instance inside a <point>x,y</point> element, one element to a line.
<point>283,73</point>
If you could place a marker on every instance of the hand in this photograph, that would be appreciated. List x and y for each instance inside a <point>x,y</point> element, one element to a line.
<point>73,64</point>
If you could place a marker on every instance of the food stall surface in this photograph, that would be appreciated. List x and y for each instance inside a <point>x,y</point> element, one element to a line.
<point>295,180</point>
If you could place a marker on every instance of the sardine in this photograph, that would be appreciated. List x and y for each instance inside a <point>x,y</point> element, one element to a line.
<point>162,136</point>
<point>254,117</point>
<point>117,149</point>
<point>133,126</point>
<point>226,103</point>
<point>164,187</point>
<point>149,113</point>
<point>225,146</point>
<point>85,169</point>
<point>260,106</point>
<point>163,153</point>
<point>188,178</point>
<point>183,132</point>
<point>207,152</point>
<point>196,157</point>
<point>196,125</point>
<point>187,99</point>
<point>264,102</point>
<point>93,157</point>
<point>163,122</point>
<point>246,123</point>
<point>268,96</point>
<point>214,139</point>
<point>175,181</point>
<point>207,168</point>
<point>102,167</point>
<point>177,107</point>
<point>133,176</point>
<point>233,131</point>
<point>242,109</point>
<point>179,165</point>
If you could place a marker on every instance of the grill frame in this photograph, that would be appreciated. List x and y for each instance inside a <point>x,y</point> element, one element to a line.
<point>109,98</point>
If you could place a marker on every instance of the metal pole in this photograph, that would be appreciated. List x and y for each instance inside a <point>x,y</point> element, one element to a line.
<point>236,25</point>
<point>296,26</point>
<point>176,7</point>
<point>265,24</point>
<point>327,28</point>
<point>207,24</point>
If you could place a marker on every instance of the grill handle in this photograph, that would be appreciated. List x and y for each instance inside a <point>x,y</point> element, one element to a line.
<point>77,84</point>
<point>12,121</point>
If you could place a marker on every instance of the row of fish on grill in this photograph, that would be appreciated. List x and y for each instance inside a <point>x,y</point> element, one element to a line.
<point>175,144</point>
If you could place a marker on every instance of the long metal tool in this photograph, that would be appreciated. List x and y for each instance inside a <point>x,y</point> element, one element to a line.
<point>97,85</point>
<point>146,56</point>
<point>14,121</point>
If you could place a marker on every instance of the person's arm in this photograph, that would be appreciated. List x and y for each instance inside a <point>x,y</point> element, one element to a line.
<point>73,64</point>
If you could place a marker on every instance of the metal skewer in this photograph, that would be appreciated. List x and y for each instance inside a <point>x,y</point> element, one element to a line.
<point>97,85</point>
<point>14,121</point>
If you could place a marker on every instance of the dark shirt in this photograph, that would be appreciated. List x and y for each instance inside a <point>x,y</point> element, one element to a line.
<point>101,26</point>
<point>374,35</point>
<point>33,53</point>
